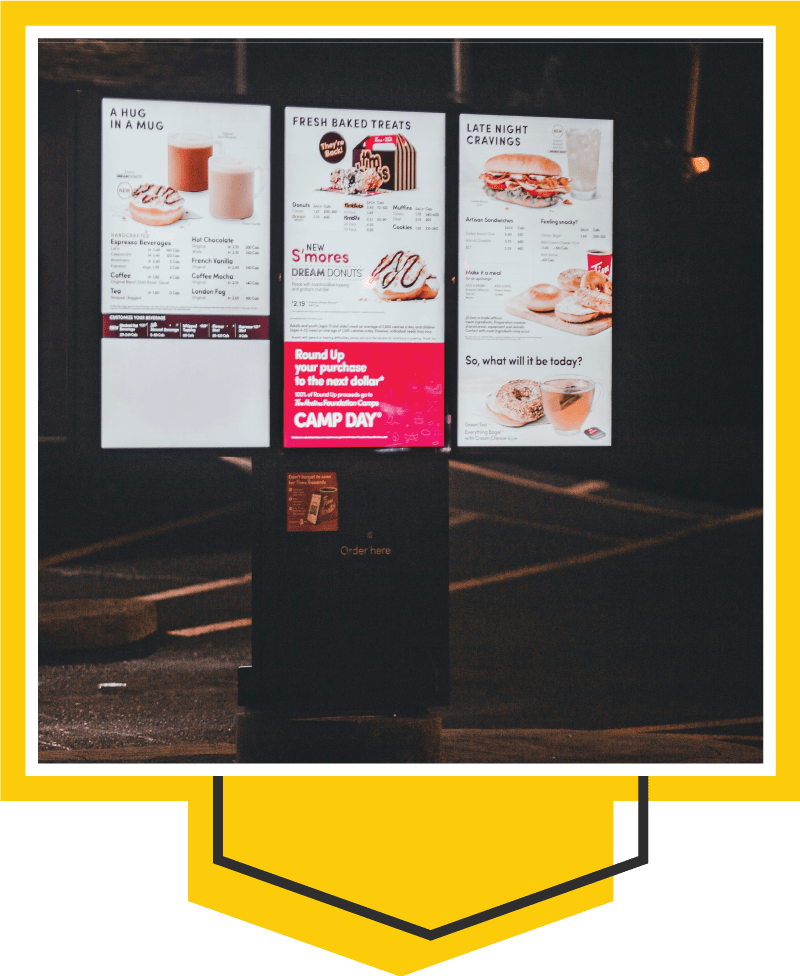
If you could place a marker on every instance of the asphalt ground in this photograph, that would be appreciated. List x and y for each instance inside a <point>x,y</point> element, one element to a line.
<point>576,606</point>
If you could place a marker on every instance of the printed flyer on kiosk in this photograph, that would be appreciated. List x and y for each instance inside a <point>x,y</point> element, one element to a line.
<point>364,267</point>
<point>185,256</point>
<point>535,281</point>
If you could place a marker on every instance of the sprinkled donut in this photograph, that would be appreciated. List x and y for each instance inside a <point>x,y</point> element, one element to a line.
<point>520,400</point>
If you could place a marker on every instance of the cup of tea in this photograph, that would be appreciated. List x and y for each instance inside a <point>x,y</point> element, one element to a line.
<point>189,153</point>
<point>232,189</point>
<point>567,401</point>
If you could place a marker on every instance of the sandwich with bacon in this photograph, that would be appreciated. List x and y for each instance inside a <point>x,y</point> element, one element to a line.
<point>531,181</point>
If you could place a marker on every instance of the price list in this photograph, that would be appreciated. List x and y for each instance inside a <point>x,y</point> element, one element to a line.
<point>214,272</point>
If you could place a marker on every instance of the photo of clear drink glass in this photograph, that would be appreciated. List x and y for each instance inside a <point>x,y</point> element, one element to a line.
<point>583,160</point>
<point>231,182</point>
<point>567,401</point>
<point>189,153</point>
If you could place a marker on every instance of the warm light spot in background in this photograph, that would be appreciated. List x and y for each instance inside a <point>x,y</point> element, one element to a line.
<point>700,164</point>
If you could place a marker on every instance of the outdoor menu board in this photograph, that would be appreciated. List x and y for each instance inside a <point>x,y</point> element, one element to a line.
<point>535,281</point>
<point>185,256</point>
<point>364,267</point>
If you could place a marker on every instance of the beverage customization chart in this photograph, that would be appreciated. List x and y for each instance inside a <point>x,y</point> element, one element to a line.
<point>364,266</point>
<point>535,281</point>
<point>185,256</point>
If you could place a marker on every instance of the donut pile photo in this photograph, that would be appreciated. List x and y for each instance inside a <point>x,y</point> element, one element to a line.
<point>402,276</point>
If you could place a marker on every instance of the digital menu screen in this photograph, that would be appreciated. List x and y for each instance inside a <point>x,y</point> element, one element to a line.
<point>185,257</point>
<point>535,281</point>
<point>364,267</point>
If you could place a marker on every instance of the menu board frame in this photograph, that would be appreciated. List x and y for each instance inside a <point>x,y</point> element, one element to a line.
<point>85,321</point>
<point>410,394</point>
<point>84,256</point>
<point>185,255</point>
<point>461,348</point>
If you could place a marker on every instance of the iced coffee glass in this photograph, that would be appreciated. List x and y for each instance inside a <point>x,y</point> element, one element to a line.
<point>583,160</point>
<point>567,401</point>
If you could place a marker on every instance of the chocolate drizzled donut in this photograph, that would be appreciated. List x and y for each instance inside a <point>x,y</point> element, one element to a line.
<point>399,275</point>
<point>150,193</point>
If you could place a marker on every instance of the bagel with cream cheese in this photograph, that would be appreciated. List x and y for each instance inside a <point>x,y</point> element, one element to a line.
<point>516,403</point>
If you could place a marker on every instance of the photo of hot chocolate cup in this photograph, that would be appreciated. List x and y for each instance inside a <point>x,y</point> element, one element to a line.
<point>189,153</point>
<point>231,182</point>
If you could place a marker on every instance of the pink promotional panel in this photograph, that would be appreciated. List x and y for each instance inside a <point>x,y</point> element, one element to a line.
<point>363,394</point>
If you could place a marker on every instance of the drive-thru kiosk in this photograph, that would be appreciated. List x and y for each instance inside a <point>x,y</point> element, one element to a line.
<point>308,263</point>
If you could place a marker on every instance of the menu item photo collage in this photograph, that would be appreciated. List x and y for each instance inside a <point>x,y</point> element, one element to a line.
<point>186,241</point>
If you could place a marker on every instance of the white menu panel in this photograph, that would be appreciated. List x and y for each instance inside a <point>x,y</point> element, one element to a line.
<point>535,281</point>
<point>185,256</point>
<point>364,268</point>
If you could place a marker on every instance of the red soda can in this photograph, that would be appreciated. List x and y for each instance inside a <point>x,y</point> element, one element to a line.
<point>600,261</point>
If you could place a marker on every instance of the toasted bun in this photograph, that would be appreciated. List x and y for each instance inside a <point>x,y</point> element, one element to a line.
<point>542,298</point>
<point>535,202</point>
<point>520,163</point>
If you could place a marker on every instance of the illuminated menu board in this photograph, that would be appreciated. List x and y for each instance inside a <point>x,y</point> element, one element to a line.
<point>535,281</point>
<point>364,267</point>
<point>185,257</point>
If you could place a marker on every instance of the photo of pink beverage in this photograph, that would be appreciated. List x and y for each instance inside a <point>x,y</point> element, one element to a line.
<point>231,184</point>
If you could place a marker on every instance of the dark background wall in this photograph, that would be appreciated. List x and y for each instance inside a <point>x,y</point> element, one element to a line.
<point>688,253</point>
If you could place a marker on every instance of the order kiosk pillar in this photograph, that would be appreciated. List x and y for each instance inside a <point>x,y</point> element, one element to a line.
<point>350,597</point>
